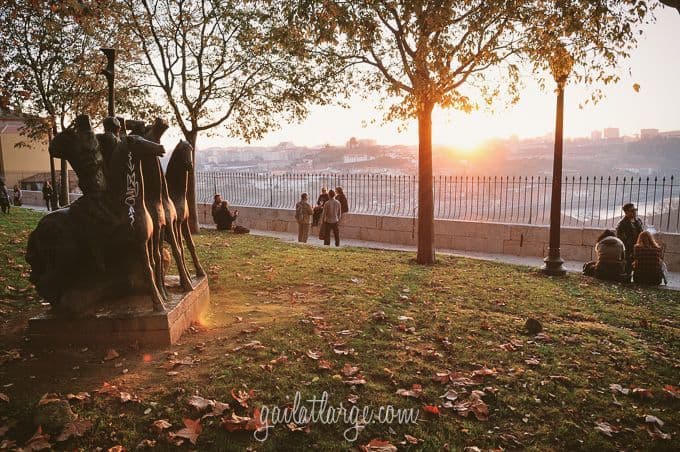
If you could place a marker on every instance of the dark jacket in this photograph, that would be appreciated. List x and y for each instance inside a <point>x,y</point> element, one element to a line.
<point>47,192</point>
<point>342,199</point>
<point>321,200</point>
<point>647,265</point>
<point>223,218</point>
<point>628,232</point>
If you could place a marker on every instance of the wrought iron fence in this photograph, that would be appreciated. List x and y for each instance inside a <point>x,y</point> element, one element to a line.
<point>586,201</point>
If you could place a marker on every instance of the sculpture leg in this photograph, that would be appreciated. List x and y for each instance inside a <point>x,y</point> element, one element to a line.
<point>158,305</point>
<point>157,261</point>
<point>184,279</point>
<point>192,249</point>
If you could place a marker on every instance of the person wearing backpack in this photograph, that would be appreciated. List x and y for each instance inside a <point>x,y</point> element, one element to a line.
<point>303,215</point>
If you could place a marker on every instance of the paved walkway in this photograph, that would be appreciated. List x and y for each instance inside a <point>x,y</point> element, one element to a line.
<point>571,266</point>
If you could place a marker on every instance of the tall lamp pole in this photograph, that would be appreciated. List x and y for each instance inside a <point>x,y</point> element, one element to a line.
<point>109,72</point>
<point>560,66</point>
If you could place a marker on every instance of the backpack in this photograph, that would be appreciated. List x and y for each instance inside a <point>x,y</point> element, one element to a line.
<point>241,230</point>
<point>298,212</point>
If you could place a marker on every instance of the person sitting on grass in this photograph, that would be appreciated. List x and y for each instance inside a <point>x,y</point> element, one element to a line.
<point>224,218</point>
<point>611,258</point>
<point>647,260</point>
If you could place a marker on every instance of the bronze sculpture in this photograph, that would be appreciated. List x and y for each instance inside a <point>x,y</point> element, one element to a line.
<point>177,176</point>
<point>107,244</point>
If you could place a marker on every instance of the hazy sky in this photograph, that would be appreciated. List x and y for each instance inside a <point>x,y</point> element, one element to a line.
<point>655,65</point>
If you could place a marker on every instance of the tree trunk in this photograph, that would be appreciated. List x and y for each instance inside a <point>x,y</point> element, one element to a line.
<point>53,171</point>
<point>191,186</point>
<point>425,189</point>
<point>63,188</point>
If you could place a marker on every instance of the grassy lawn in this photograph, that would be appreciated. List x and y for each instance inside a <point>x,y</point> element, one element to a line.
<point>361,325</point>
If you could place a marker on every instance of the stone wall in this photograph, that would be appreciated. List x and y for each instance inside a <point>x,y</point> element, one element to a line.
<point>498,238</point>
<point>577,244</point>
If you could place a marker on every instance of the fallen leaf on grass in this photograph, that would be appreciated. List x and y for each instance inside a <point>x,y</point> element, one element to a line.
<point>4,397</point>
<point>108,390</point>
<point>125,397</point>
<point>511,346</point>
<point>192,428</point>
<point>313,354</point>
<point>656,433</point>
<point>615,387</point>
<point>543,337</point>
<point>242,396</point>
<point>449,395</point>
<point>48,398</point>
<point>200,403</point>
<point>415,392</point>
<point>455,378</point>
<point>279,360</point>
<point>432,409</point>
<point>474,405</point>
<point>483,372</point>
<point>117,448</point>
<point>159,425</point>
<point>325,365</point>
<point>76,429</point>
<point>39,441</point>
<point>671,391</point>
<point>111,354</point>
<point>532,362</point>
<point>642,393</point>
<point>348,370</point>
<point>358,379</point>
<point>408,439</point>
<point>146,444</point>
<point>378,445</point>
<point>560,378</point>
<point>378,316</point>
<point>237,423</point>
<point>606,428</point>
<point>252,345</point>
<point>80,397</point>
<point>293,427</point>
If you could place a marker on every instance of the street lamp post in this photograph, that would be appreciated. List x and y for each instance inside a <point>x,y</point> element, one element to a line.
<point>560,66</point>
<point>109,72</point>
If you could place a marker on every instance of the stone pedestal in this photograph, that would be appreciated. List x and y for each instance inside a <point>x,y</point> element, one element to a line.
<point>126,321</point>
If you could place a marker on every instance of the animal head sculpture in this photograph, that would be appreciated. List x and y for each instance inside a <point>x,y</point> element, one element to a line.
<point>77,139</point>
<point>182,156</point>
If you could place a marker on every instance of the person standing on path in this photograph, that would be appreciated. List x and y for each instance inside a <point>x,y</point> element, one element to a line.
<point>342,199</point>
<point>317,219</point>
<point>331,217</point>
<point>303,215</point>
<point>17,196</point>
<point>628,230</point>
<point>4,197</point>
<point>47,194</point>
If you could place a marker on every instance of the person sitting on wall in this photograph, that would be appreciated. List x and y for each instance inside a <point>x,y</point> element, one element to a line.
<point>610,264</point>
<point>224,218</point>
<point>628,230</point>
<point>647,260</point>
